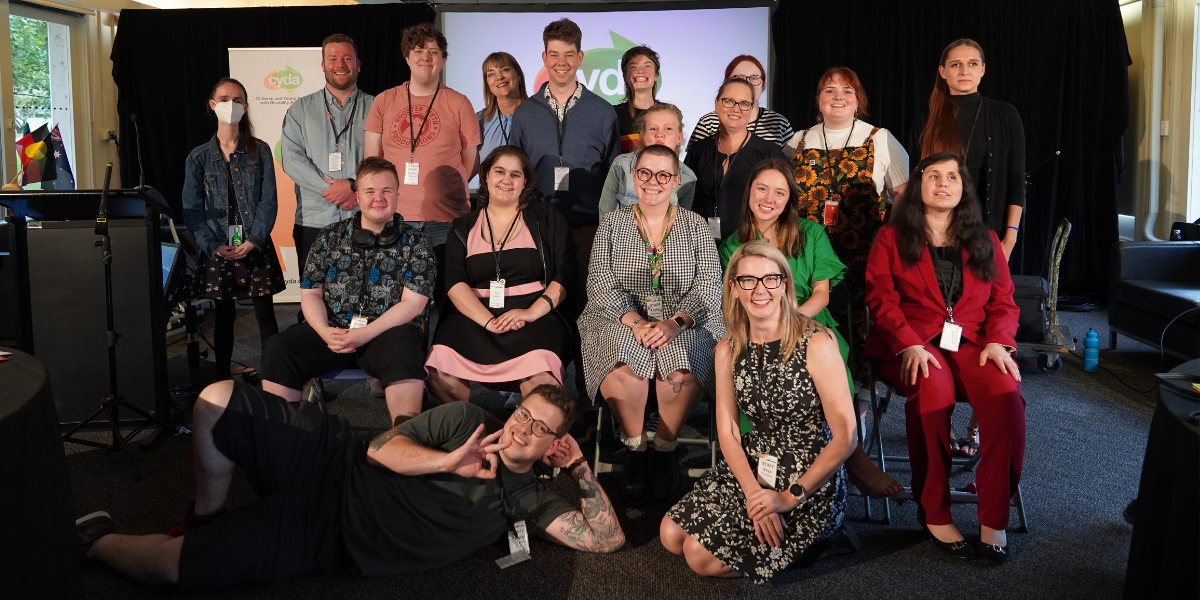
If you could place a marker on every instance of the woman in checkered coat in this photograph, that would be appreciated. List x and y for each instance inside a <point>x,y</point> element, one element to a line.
<point>653,313</point>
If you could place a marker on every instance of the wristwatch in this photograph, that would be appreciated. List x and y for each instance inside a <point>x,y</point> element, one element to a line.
<point>680,322</point>
<point>798,492</point>
<point>353,188</point>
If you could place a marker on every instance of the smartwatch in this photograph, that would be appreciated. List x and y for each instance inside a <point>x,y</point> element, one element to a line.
<point>680,322</point>
<point>798,492</point>
<point>353,187</point>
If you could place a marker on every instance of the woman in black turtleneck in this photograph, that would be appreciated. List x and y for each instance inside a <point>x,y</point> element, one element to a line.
<point>988,132</point>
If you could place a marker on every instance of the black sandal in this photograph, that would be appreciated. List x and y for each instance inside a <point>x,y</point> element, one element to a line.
<point>971,441</point>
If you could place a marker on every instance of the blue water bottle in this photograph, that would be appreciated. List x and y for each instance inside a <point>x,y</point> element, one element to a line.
<point>1091,352</point>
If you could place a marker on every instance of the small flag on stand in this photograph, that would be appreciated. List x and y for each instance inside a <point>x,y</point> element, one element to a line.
<point>33,150</point>
<point>64,179</point>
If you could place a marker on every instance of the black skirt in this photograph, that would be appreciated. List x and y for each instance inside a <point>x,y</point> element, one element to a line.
<point>256,275</point>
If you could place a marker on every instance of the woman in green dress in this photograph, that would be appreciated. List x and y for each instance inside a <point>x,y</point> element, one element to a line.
<point>771,212</point>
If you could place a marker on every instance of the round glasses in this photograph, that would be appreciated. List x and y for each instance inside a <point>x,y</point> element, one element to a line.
<point>662,177</point>
<point>749,282</point>
<point>540,429</point>
<point>754,79</point>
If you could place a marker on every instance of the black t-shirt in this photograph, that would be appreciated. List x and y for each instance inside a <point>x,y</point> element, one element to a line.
<point>625,122</point>
<point>721,195</point>
<point>394,523</point>
<point>947,268</point>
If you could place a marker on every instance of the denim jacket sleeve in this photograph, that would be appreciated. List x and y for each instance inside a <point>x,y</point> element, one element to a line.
<point>614,184</point>
<point>195,200</point>
<point>268,202</point>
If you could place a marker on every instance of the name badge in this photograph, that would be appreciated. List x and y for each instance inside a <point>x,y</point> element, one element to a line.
<point>831,213</point>
<point>562,176</point>
<point>236,235</point>
<point>654,306</point>
<point>518,538</point>
<point>768,467</point>
<point>496,294</point>
<point>358,322</point>
<point>951,336</point>
<point>411,170</point>
<point>335,161</point>
<point>714,227</point>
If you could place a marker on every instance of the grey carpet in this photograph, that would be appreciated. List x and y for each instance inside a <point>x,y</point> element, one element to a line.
<point>1086,438</point>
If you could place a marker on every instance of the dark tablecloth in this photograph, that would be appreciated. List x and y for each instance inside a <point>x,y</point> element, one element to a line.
<point>1164,553</point>
<point>38,547</point>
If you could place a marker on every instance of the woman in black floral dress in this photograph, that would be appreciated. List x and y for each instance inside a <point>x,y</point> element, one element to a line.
<point>229,206</point>
<point>782,488</point>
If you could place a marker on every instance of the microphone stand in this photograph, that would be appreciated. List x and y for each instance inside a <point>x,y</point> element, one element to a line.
<point>111,404</point>
<point>1028,183</point>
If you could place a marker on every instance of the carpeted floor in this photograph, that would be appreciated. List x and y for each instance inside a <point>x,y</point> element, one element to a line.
<point>1086,438</point>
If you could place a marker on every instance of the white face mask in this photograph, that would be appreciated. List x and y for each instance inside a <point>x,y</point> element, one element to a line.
<point>229,112</point>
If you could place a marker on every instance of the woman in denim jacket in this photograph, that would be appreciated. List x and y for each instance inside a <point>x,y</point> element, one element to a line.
<point>229,205</point>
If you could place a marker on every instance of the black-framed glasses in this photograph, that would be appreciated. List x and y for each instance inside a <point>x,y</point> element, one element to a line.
<point>754,79</point>
<point>539,428</point>
<point>662,177</point>
<point>749,282</point>
<point>730,103</point>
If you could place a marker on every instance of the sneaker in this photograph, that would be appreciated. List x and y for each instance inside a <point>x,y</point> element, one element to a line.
<point>665,478</point>
<point>637,467</point>
<point>90,528</point>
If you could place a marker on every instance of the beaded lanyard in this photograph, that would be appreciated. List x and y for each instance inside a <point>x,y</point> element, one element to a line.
<point>654,253</point>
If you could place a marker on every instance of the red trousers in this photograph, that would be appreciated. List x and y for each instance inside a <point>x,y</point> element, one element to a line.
<point>996,398</point>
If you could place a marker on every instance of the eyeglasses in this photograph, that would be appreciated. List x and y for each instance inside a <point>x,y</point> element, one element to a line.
<point>749,282</point>
<point>754,79</point>
<point>730,103</point>
<point>539,428</point>
<point>662,177</point>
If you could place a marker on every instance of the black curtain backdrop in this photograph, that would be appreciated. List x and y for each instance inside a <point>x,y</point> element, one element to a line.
<point>165,63</point>
<point>1061,63</point>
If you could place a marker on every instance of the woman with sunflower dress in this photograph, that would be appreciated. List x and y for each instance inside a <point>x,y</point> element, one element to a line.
<point>843,167</point>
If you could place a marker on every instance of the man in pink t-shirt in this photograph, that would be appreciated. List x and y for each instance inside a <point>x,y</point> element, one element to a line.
<point>430,133</point>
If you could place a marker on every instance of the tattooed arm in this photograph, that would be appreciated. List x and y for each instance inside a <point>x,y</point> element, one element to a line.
<point>593,528</point>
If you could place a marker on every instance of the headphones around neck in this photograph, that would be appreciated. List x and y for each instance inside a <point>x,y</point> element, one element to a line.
<point>366,239</point>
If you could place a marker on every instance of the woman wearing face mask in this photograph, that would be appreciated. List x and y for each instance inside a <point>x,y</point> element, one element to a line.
<point>660,124</point>
<point>503,92</point>
<point>639,66</point>
<point>845,169</point>
<point>771,212</point>
<point>229,206</point>
<point>780,490</point>
<point>653,314</point>
<point>763,122</point>
<point>723,162</point>
<point>513,341</point>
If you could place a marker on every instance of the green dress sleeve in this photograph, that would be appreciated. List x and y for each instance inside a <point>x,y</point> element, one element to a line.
<point>825,264</point>
<point>726,250</point>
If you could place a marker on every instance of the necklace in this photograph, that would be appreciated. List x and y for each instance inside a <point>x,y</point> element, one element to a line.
<point>654,253</point>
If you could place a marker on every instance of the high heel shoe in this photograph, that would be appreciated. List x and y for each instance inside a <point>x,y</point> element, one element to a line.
<point>957,549</point>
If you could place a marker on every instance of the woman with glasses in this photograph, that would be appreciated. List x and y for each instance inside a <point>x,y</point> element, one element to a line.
<point>763,122</point>
<point>943,316</point>
<point>229,206</point>
<point>846,168</point>
<point>723,162</point>
<point>781,489</point>
<point>653,315</point>
<point>639,66</point>
<point>771,212</point>
<point>503,92</point>
<point>659,124</point>
<point>508,267</point>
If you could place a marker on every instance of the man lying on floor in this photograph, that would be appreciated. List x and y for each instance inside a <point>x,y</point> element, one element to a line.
<point>422,495</point>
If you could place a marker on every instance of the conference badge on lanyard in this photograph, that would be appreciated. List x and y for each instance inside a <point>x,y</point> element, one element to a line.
<point>496,293</point>
<point>411,170</point>
<point>951,333</point>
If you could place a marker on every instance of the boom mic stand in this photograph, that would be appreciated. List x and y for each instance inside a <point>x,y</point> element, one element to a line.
<point>110,405</point>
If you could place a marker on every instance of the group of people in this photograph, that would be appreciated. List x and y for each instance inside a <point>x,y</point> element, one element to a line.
<point>594,243</point>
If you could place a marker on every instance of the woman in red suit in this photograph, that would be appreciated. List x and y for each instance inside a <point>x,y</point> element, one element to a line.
<point>943,319</point>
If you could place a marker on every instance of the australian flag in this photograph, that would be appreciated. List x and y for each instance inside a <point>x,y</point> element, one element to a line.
<point>44,159</point>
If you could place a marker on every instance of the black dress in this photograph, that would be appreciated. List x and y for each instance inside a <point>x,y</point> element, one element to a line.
<point>256,275</point>
<point>781,401</point>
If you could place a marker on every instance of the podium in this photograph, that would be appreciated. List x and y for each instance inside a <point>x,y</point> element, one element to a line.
<point>60,304</point>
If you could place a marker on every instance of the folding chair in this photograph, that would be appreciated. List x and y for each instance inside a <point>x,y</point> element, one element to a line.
<point>599,467</point>
<point>878,408</point>
<point>839,297</point>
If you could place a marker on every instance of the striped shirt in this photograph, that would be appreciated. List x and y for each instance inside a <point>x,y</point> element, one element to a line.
<point>769,125</point>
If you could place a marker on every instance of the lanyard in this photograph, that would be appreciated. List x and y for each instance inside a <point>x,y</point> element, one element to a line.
<point>654,254</point>
<point>416,139</point>
<point>337,135</point>
<point>837,173</point>
<point>560,129</point>
<point>967,147</point>
<point>947,290</point>
<point>495,252</point>
<point>718,174</point>
<point>504,132</point>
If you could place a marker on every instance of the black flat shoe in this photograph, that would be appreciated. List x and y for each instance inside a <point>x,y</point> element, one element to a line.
<point>959,549</point>
<point>637,470</point>
<point>993,552</point>
<point>664,479</point>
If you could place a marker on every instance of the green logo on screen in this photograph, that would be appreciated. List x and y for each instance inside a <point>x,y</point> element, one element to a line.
<point>287,79</point>
<point>600,72</point>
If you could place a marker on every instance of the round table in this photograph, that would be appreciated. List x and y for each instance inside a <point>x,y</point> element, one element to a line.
<point>39,555</point>
<point>1163,551</point>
